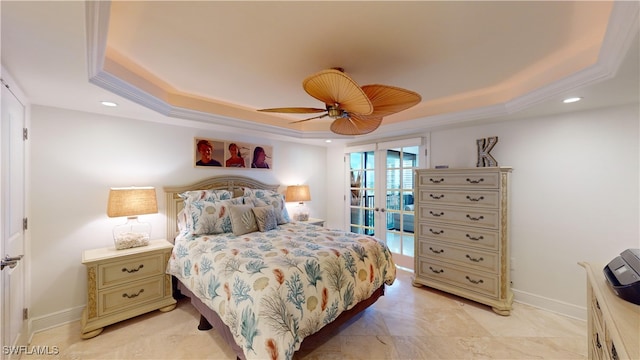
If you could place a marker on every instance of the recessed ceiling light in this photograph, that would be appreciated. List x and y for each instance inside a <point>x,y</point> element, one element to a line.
<point>328,141</point>
<point>571,100</point>
<point>108,103</point>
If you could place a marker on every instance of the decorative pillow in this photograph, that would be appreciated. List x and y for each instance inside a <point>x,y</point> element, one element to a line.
<point>268,197</point>
<point>265,218</point>
<point>210,217</point>
<point>243,220</point>
<point>205,195</point>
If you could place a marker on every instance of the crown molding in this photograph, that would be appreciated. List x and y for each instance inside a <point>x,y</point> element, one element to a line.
<point>621,31</point>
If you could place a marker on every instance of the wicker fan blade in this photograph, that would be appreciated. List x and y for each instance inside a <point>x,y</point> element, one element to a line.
<point>311,118</point>
<point>389,100</point>
<point>355,125</point>
<point>294,110</point>
<point>335,87</point>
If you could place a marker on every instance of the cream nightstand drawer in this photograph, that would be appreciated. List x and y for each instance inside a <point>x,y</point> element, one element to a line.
<point>131,295</point>
<point>131,269</point>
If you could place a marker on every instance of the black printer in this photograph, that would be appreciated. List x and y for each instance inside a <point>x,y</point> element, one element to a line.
<point>623,275</point>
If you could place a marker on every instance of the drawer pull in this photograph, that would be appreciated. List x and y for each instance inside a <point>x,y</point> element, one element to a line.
<point>474,281</point>
<point>436,197</point>
<point>475,259</point>
<point>475,199</point>
<point>125,295</point>
<point>475,181</point>
<point>436,251</point>
<point>475,238</point>
<point>436,181</point>
<point>436,271</point>
<point>436,214</point>
<point>475,218</point>
<point>124,269</point>
<point>434,232</point>
<point>598,344</point>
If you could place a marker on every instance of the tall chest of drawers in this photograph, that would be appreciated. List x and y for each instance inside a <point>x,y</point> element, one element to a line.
<point>462,244</point>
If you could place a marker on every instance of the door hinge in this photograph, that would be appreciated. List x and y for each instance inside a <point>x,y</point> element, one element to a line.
<point>25,314</point>
<point>25,224</point>
<point>25,134</point>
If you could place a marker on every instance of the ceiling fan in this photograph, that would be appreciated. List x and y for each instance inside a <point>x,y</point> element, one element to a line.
<point>356,110</point>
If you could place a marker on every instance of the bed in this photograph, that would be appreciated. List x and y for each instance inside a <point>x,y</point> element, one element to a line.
<point>272,290</point>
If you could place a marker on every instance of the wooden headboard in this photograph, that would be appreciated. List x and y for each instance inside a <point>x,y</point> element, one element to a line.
<point>233,183</point>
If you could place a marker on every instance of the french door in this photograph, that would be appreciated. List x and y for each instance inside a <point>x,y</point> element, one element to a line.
<point>381,194</point>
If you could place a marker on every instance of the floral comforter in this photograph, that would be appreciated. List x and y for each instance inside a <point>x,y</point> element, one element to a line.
<point>274,288</point>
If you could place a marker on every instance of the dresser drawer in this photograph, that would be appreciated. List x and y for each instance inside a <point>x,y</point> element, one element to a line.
<point>483,260</point>
<point>130,295</point>
<point>480,238</point>
<point>479,198</point>
<point>486,218</point>
<point>487,180</point>
<point>130,269</point>
<point>451,274</point>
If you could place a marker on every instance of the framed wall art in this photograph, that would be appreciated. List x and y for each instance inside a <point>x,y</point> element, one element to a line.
<point>231,154</point>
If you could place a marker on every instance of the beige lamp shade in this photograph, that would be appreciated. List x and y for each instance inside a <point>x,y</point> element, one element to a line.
<point>132,201</point>
<point>298,193</point>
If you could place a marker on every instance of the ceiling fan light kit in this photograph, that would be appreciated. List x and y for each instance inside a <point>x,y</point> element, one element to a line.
<point>356,110</point>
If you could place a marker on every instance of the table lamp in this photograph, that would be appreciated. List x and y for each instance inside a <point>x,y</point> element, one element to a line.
<point>131,202</point>
<point>299,194</point>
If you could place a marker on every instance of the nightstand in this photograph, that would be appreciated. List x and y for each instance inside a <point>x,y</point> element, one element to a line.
<point>314,221</point>
<point>125,283</point>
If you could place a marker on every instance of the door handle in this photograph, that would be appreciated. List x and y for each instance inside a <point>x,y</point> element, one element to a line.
<point>11,262</point>
<point>12,258</point>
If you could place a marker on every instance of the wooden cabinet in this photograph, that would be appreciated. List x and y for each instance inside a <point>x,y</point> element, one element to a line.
<point>613,324</point>
<point>462,244</point>
<point>125,283</point>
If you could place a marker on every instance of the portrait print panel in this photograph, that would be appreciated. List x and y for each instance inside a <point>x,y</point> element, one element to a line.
<point>237,154</point>
<point>262,157</point>
<point>208,152</point>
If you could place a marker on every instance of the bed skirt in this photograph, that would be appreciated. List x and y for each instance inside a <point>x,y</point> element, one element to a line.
<point>214,320</point>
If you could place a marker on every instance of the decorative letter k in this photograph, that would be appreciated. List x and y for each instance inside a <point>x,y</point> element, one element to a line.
<point>484,148</point>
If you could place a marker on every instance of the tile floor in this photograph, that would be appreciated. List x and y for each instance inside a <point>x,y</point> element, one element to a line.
<point>407,323</point>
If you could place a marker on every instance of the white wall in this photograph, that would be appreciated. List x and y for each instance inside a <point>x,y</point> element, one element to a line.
<point>575,192</point>
<point>575,195</point>
<point>77,157</point>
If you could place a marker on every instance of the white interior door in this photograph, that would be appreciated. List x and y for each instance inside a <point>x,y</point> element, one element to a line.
<point>12,209</point>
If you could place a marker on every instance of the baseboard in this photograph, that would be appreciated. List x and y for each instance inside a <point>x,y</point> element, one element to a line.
<point>41,323</point>
<point>552,305</point>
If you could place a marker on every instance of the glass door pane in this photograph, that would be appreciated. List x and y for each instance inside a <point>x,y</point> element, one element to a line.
<point>400,165</point>
<point>362,189</point>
